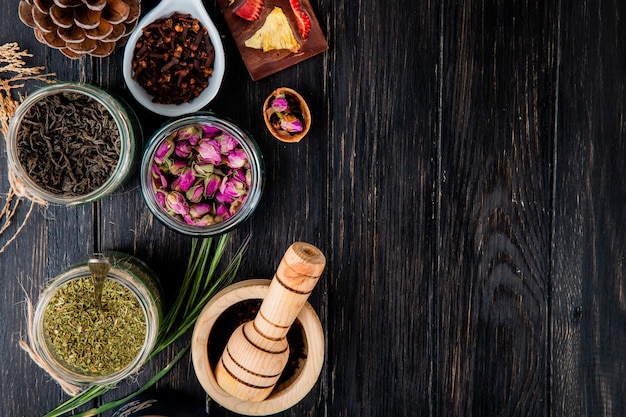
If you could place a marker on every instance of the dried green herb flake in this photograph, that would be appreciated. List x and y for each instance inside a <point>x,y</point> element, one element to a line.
<point>92,340</point>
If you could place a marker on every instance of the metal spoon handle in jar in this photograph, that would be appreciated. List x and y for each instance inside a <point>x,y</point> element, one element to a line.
<point>99,267</point>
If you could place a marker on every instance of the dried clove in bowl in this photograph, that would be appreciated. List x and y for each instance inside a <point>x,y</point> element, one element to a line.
<point>72,143</point>
<point>174,61</point>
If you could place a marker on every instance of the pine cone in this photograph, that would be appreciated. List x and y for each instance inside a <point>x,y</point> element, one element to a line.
<point>81,27</point>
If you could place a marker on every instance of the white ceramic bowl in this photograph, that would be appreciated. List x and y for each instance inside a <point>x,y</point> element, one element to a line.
<point>165,9</point>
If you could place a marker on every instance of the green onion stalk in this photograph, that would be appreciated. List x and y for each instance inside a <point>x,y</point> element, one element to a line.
<point>198,286</point>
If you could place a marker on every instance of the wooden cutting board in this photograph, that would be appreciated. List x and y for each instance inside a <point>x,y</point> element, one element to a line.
<point>262,64</point>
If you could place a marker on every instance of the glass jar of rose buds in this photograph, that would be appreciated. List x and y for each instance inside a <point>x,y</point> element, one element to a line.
<point>202,175</point>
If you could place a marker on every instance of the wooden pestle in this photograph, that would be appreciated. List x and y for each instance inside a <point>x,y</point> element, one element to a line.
<point>257,351</point>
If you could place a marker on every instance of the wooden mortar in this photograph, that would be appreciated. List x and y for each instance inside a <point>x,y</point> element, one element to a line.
<point>286,394</point>
<point>257,352</point>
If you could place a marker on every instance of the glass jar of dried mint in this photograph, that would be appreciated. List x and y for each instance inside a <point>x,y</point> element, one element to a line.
<point>72,143</point>
<point>84,343</point>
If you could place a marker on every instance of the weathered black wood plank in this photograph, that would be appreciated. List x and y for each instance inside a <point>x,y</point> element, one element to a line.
<point>590,233</point>
<point>383,130</point>
<point>500,69</point>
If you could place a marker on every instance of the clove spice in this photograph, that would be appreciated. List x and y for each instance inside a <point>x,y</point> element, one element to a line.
<point>173,59</point>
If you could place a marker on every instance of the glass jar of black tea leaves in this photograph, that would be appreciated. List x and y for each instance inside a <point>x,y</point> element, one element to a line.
<point>72,143</point>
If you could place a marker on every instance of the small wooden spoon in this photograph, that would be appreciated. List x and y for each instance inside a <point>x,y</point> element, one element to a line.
<point>99,267</point>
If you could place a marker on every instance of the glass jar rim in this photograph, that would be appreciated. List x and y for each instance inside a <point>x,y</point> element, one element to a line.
<point>113,107</point>
<point>73,376</point>
<point>256,165</point>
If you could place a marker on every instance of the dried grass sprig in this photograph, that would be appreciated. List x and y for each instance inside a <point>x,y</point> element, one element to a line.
<point>14,73</point>
<point>13,76</point>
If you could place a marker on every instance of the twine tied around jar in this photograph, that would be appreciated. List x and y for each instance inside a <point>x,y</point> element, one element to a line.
<point>12,62</point>
<point>27,346</point>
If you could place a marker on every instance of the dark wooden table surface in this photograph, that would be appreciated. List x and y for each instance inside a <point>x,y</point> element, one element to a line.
<point>465,177</point>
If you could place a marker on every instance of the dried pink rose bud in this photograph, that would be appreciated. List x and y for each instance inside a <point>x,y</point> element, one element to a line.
<point>291,124</point>
<point>165,149</point>
<point>176,166</point>
<point>184,181</point>
<point>235,206</point>
<point>198,210</point>
<point>203,169</point>
<point>160,197</point>
<point>249,178</point>
<point>223,198</point>
<point>209,131</point>
<point>159,179</point>
<point>280,103</point>
<point>195,193</point>
<point>237,158</point>
<point>238,174</point>
<point>227,143</point>
<point>205,220</point>
<point>190,133</point>
<point>209,151</point>
<point>183,148</point>
<point>177,203</point>
<point>230,190</point>
<point>223,212</point>
<point>211,185</point>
